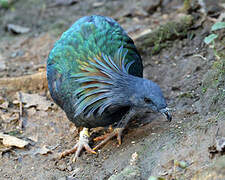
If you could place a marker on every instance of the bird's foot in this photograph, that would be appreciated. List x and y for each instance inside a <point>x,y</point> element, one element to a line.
<point>82,143</point>
<point>106,137</point>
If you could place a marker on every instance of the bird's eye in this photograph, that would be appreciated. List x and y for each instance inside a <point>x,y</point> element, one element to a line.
<point>147,100</point>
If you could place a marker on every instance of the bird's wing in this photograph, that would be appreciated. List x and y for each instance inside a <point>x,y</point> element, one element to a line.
<point>89,38</point>
<point>87,54</point>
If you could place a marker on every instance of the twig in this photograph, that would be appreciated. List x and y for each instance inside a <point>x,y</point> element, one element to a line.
<point>21,111</point>
<point>199,55</point>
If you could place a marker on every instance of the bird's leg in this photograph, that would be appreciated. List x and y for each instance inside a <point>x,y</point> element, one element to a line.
<point>102,137</point>
<point>82,143</point>
<point>117,131</point>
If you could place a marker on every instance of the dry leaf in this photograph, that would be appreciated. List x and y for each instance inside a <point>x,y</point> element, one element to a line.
<point>9,117</point>
<point>35,100</point>
<point>9,141</point>
<point>142,33</point>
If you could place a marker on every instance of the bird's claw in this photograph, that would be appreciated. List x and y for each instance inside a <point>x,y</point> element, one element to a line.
<point>116,132</point>
<point>77,150</point>
<point>81,144</point>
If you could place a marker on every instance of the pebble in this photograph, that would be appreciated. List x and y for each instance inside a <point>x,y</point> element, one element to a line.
<point>75,171</point>
<point>2,65</point>
<point>69,168</point>
<point>62,178</point>
<point>62,167</point>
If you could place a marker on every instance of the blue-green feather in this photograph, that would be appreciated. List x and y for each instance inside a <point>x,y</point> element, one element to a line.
<point>83,62</point>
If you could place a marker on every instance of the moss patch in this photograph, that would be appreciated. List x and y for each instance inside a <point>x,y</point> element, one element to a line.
<point>170,31</point>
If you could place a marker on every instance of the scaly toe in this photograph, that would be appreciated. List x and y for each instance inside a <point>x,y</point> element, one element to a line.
<point>81,144</point>
<point>67,152</point>
<point>117,132</point>
<point>79,149</point>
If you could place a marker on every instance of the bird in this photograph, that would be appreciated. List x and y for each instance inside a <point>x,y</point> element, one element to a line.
<point>95,75</point>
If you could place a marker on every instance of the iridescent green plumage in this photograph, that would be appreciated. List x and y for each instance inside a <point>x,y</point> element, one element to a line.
<point>82,64</point>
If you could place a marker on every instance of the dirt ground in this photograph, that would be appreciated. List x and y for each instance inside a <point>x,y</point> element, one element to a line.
<point>190,73</point>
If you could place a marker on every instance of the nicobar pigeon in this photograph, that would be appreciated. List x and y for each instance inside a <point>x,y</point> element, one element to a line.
<point>95,74</point>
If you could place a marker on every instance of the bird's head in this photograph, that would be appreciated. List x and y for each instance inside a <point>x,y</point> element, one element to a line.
<point>149,96</point>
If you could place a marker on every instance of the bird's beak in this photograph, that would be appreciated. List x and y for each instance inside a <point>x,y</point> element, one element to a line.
<point>166,113</point>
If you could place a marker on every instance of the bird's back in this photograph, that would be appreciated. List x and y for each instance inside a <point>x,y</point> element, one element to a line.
<point>89,38</point>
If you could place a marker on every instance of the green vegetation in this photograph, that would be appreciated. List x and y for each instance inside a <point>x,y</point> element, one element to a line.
<point>159,38</point>
<point>216,78</point>
<point>4,4</point>
<point>211,38</point>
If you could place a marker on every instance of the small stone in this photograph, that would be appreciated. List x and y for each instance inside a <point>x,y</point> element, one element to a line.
<point>129,173</point>
<point>31,111</point>
<point>151,6</point>
<point>181,164</point>
<point>2,65</point>
<point>62,178</point>
<point>220,144</point>
<point>16,29</point>
<point>69,168</point>
<point>62,167</point>
<point>134,158</point>
<point>164,173</point>
<point>75,171</point>
<point>152,178</point>
<point>4,105</point>
<point>98,4</point>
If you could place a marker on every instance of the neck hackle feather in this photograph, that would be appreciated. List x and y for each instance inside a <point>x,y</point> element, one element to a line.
<point>97,81</point>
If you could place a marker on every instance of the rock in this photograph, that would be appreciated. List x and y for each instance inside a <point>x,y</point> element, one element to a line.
<point>128,173</point>
<point>2,65</point>
<point>220,144</point>
<point>69,168</point>
<point>16,29</point>
<point>98,4</point>
<point>43,150</point>
<point>62,178</point>
<point>211,7</point>
<point>151,6</point>
<point>62,166</point>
